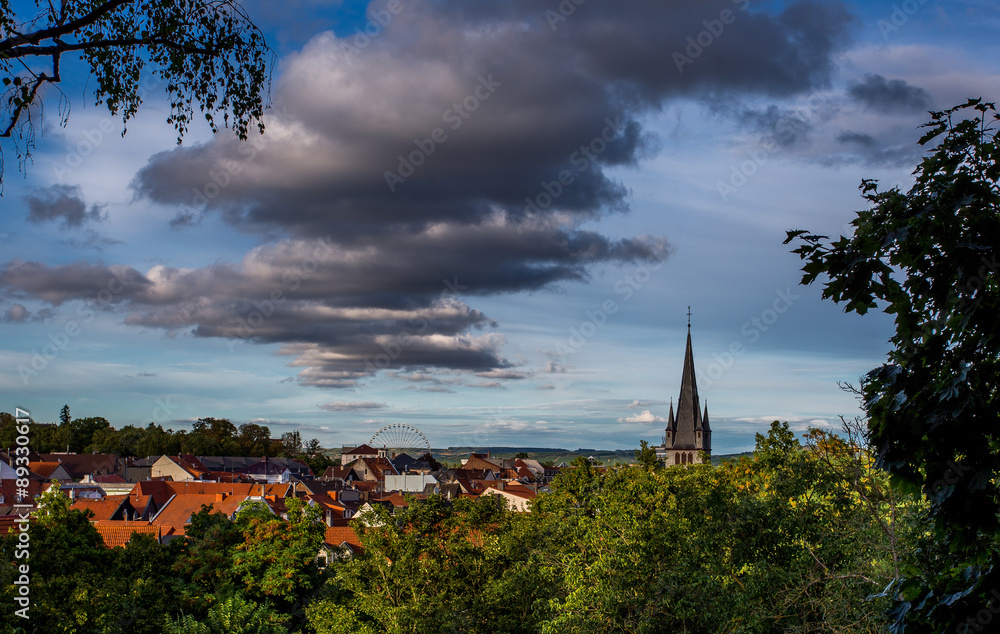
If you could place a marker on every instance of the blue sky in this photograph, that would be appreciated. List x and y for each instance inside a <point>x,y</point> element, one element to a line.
<point>318,285</point>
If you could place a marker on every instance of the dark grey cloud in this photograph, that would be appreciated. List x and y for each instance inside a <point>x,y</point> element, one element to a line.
<point>350,406</point>
<point>105,285</point>
<point>784,128</point>
<point>879,94</point>
<point>62,203</point>
<point>543,94</point>
<point>857,138</point>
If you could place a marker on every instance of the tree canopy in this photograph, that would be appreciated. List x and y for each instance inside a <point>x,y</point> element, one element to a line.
<point>208,53</point>
<point>928,256</point>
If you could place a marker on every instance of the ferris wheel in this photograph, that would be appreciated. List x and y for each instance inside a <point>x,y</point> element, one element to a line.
<point>401,438</point>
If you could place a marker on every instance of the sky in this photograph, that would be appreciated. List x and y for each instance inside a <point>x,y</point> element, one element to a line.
<point>485,220</point>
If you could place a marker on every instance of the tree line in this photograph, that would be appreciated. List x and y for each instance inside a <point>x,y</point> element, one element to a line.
<point>207,437</point>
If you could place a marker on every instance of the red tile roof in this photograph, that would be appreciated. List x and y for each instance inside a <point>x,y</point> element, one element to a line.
<point>115,533</point>
<point>102,509</point>
<point>340,535</point>
<point>44,469</point>
<point>81,464</point>
<point>176,514</point>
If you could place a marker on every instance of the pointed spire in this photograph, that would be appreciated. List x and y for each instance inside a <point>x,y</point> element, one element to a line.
<point>671,423</point>
<point>704,419</point>
<point>688,414</point>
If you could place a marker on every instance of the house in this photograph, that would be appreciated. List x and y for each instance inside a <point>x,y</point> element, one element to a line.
<point>373,469</point>
<point>112,507</point>
<point>339,541</point>
<point>532,470</point>
<point>239,464</point>
<point>350,454</point>
<point>11,494</point>
<point>83,464</point>
<point>482,461</point>
<point>269,472</point>
<point>409,482</point>
<point>175,516</point>
<point>113,484</point>
<point>344,474</point>
<point>182,468</point>
<point>50,471</point>
<point>138,469</point>
<point>518,496</point>
<point>74,490</point>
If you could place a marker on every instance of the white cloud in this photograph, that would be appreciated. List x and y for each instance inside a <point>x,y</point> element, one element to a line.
<point>645,417</point>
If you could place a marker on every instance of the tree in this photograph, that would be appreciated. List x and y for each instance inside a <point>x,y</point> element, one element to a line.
<point>291,444</point>
<point>64,416</point>
<point>522,455</point>
<point>929,257</point>
<point>313,447</point>
<point>276,560</point>
<point>646,456</point>
<point>205,51</point>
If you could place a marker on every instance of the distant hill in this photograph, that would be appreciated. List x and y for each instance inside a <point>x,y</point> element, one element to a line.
<point>454,455</point>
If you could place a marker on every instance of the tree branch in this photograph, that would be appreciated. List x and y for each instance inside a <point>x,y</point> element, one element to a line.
<point>61,29</point>
<point>25,51</point>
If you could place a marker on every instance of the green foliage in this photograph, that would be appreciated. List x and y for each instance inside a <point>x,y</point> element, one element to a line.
<point>209,437</point>
<point>437,567</point>
<point>276,559</point>
<point>929,257</point>
<point>235,615</point>
<point>207,55</point>
<point>646,456</point>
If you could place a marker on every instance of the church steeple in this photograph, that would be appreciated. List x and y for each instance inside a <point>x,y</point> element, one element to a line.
<point>688,431</point>
<point>688,411</point>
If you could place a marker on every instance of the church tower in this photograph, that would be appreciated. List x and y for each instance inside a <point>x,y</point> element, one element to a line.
<point>688,433</point>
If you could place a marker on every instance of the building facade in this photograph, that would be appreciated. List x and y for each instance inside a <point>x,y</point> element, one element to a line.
<point>688,433</point>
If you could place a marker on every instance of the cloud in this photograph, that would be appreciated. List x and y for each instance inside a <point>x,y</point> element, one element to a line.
<point>17,313</point>
<point>635,404</point>
<point>503,374</point>
<point>546,387</point>
<point>467,140</point>
<point>877,93</point>
<point>645,417</point>
<point>62,203</point>
<point>350,406</point>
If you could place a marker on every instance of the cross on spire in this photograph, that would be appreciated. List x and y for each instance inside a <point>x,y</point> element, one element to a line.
<point>689,318</point>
